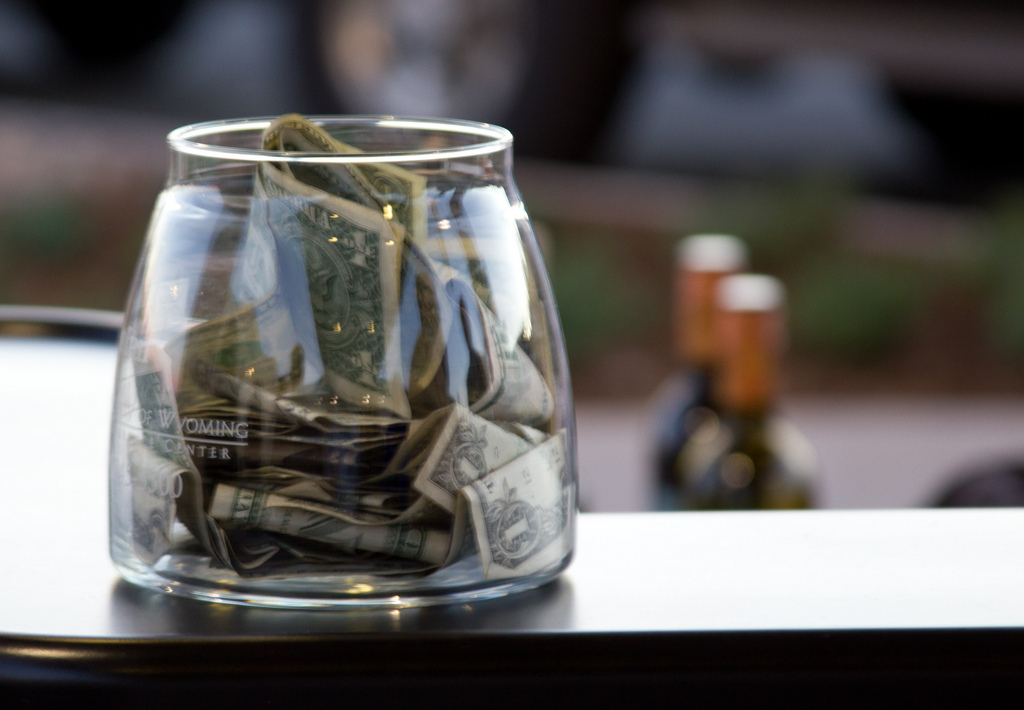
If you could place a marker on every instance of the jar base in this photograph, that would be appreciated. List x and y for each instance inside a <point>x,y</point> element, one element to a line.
<point>309,593</point>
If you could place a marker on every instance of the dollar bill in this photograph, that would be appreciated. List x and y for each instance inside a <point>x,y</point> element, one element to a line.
<point>161,432</point>
<point>514,388</point>
<point>398,193</point>
<point>517,391</point>
<point>484,245</point>
<point>281,514</point>
<point>519,513</point>
<point>347,460</point>
<point>534,436</point>
<point>486,368</point>
<point>227,418</point>
<point>277,478</point>
<point>156,483</point>
<point>427,316</point>
<point>466,448</point>
<point>351,257</point>
<point>289,497</point>
<point>309,411</point>
<point>413,449</point>
<point>255,342</point>
<point>290,557</point>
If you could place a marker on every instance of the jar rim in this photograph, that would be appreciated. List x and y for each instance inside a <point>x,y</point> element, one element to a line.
<point>490,138</point>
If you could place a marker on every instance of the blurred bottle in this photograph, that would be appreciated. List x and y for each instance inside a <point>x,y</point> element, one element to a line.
<point>684,400</point>
<point>746,456</point>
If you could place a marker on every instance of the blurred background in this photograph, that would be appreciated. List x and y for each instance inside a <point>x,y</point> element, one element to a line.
<point>870,154</point>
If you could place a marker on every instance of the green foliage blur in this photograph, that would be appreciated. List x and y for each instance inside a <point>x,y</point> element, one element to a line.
<point>51,229</point>
<point>849,303</point>
<point>782,223</point>
<point>842,305</point>
<point>600,303</point>
<point>47,231</point>
<point>854,310</point>
<point>68,250</point>
<point>1005,273</point>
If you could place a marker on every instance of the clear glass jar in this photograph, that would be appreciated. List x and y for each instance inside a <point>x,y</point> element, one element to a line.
<point>342,379</point>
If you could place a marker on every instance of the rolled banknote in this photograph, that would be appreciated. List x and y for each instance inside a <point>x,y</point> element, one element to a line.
<point>276,478</point>
<point>261,499</point>
<point>291,556</point>
<point>281,514</point>
<point>227,418</point>
<point>346,461</point>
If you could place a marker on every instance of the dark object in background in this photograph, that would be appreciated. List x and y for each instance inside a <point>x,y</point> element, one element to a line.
<point>578,58</point>
<point>916,99</point>
<point>548,70</point>
<point>999,485</point>
<point>89,34</point>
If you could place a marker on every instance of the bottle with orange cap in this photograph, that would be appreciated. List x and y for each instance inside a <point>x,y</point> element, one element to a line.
<point>747,456</point>
<point>685,400</point>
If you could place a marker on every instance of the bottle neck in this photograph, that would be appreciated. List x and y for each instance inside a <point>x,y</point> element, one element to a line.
<point>693,331</point>
<point>747,381</point>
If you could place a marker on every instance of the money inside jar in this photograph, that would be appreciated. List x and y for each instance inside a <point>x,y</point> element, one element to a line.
<point>367,392</point>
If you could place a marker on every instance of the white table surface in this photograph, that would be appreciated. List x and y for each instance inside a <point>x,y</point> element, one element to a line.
<point>632,572</point>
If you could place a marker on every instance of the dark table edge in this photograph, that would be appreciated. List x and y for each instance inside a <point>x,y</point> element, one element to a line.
<point>490,670</point>
<point>951,650</point>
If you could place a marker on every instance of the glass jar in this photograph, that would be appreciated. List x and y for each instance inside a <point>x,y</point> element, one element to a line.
<point>342,380</point>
